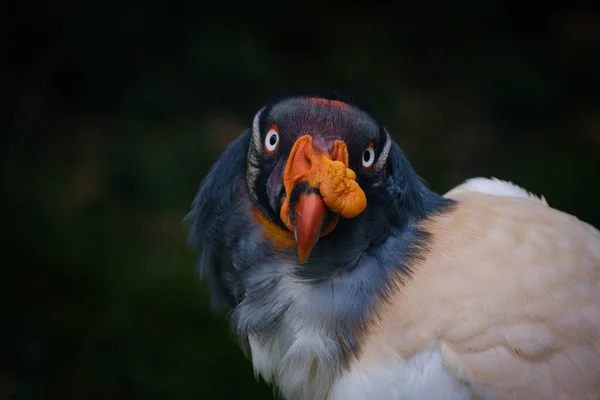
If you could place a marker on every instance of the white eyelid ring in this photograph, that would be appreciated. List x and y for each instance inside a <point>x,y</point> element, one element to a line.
<point>368,157</point>
<point>272,140</point>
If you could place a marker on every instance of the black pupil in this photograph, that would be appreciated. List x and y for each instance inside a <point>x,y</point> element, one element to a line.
<point>273,140</point>
<point>367,156</point>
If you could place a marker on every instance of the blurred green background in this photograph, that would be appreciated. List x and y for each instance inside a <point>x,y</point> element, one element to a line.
<point>116,110</point>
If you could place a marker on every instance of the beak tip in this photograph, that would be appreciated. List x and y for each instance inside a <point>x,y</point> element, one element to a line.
<point>304,250</point>
<point>303,253</point>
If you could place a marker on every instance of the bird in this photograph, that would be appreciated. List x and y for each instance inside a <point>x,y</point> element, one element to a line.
<point>343,276</point>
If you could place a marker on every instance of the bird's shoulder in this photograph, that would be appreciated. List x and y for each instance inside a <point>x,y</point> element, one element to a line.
<point>496,187</point>
<point>507,290</point>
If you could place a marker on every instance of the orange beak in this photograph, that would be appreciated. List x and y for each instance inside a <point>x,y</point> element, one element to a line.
<point>319,188</point>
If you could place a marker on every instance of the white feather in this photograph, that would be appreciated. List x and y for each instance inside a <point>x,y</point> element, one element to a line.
<point>495,187</point>
<point>298,360</point>
<point>420,377</point>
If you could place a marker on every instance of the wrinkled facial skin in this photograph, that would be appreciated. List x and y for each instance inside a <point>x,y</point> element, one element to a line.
<point>327,124</point>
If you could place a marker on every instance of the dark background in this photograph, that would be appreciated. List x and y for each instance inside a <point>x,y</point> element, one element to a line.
<point>116,110</point>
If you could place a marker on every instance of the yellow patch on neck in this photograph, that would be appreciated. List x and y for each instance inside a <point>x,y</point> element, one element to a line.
<point>281,238</point>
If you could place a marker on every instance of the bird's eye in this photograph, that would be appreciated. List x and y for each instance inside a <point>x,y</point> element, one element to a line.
<point>272,140</point>
<point>368,157</point>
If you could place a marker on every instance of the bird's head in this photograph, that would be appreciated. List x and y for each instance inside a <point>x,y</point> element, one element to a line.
<point>310,162</point>
<point>314,184</point>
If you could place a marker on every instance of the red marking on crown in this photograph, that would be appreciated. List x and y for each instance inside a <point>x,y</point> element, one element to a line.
<point>329,103</point>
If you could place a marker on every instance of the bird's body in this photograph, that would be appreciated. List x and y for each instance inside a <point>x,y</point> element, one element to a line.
<point>484,293</point>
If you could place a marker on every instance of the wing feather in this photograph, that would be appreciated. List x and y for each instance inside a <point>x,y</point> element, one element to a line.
<point>510,292</point>
<point>216,218</point>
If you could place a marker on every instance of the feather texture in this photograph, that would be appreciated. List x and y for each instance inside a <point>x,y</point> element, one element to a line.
<point>484,293</point>
<point>510,296</point>
<point>220,215</point>
<point>495,187</point>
